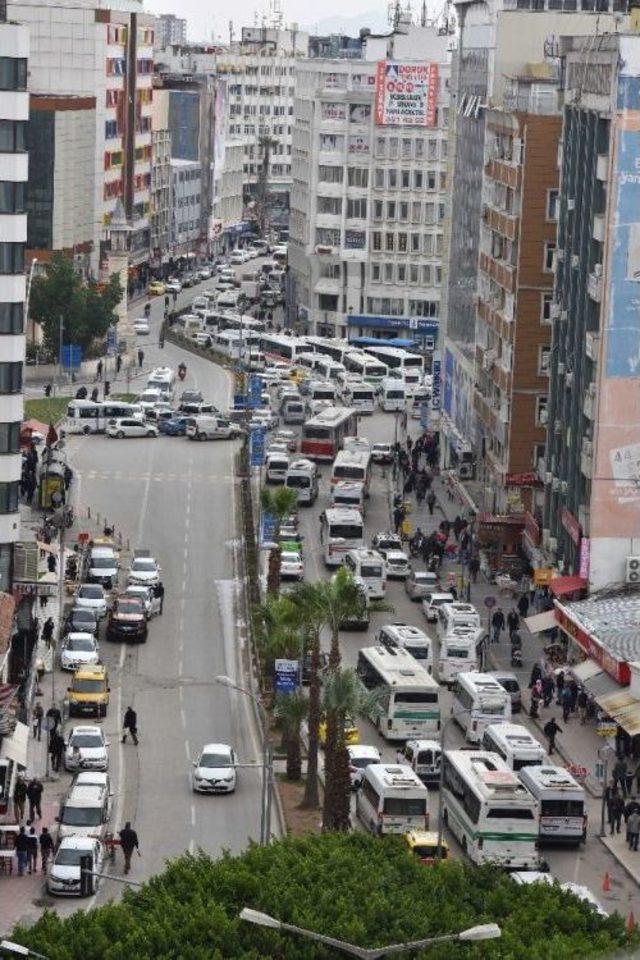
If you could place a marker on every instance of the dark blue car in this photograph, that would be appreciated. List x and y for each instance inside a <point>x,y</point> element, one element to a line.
<point>175,427</point>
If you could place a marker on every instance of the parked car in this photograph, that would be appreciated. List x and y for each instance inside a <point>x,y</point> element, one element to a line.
<point>128,620</point>
<point>419,583</point>
<point>141,326</point>
<point>93,597</point>
<point>510,683</point>
<point>86,747</point>
<point>175,426</point>
<point>128,427</point>
<point>63,876</point>
<point>82,620</point>
<point>78,649</point>
<point>173,285</point>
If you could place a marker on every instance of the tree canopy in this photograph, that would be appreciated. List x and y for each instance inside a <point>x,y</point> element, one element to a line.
<point>87,308</point>
<point>362,889</point>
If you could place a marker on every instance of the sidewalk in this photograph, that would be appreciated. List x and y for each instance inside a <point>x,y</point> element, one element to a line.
<point>19,896</point>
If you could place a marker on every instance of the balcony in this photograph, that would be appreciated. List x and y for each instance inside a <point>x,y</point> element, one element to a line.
<point>594,284</point>
<point>592,345</point>
<point>503,273</point>
<point>599,227</point>
<point>589,405</point>
<point>504,223</point>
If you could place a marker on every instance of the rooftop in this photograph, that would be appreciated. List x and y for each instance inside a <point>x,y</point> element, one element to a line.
<point>613,620</point>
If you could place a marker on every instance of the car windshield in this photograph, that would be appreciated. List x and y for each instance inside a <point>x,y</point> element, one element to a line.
<point>89,686</point>
<point>290,557</point>
<point>298,482</point>
<point>346,531</point>
<point>86,740</point>
<point>84,615</point>
<point>361,762</point>
<point>80,643</point>
<point>81,817</point>
<point>211,760</point>
<point>144,565</point>
<point>89,592</point>
<point>128,607</point>
<point>103,563</point>
<point>68,857</point>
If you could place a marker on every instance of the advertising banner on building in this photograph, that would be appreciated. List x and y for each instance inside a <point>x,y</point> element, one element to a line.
<point>406,94</point>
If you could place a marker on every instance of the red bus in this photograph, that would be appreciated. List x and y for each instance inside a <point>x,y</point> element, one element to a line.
<point>323,435</point>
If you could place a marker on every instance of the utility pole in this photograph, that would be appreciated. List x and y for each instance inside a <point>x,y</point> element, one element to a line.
<point>266,143</point>
<point>60,339</point>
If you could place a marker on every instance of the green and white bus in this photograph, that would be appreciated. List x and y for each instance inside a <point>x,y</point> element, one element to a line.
<point>489,811</point>
<point>410,706</point>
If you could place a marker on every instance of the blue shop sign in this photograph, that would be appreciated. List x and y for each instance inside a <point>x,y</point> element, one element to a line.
<point>421,325</point>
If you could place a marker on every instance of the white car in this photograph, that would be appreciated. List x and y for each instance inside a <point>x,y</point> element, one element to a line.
<point>264,418</point>
<point>93,597</point>
<point>432,602</point>
<point>144,570</point>
<point>79,649</point>
<point>63,878</point>
<point>215,769</point>
<point>238,256</point>
<point>360,756</point>
<point>291,565</point>
<point>128,427</point>
<point>204,273</point>
<point>150,602</point>
<point>173,285</point>
<point>382,453</point>
<point>141,326</point>
<point>397,564</point>
<point>86,748</point>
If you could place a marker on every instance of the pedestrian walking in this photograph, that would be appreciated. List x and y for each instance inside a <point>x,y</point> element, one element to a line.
<point>559,685</point>
<point>398,517</point>
<point>52,563</point>
<point>119,363</point>
<point>32,851</point>
<point>619,775</point>
<point>140,357</point>
<point>129,843</point>
<point>547,689</point>
<point>566,704</point>
<point>19,798</point>
<point>94,394</point>
<point>46,848</point>
<point>633,830</point>
<point>34,795</point>
<point>56,750</point>
<point>130,725</point>
<point>474,568</point>
<point>497,624</point>
<point>616,810</point>
<point>54,717</point>
<point>573,691</point>
<point>37,717</point>
<point>158,592</point>
<point>21,844</point>
<point>431,502</point>
<point>583,703</point>
<point>551,731</point>
<point>513,622</point>
<point>523,605</point>
<point>99,370</point>
<point>47,630</point>
<point>628,780</point>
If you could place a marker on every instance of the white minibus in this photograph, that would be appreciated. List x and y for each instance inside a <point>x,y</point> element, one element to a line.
<point>276,466</point>
<point>515,744</point>
<point>320,390</point>
<point>411,704</point>
<point>409,638</point>
<point>424,758</point>
<point>393,394</point>
<point>368,566</point>
<point>329,369</point>
<point>360,396</point>
<point>392,799</point>
<point>348,494</point>
<point>458,653</point>
<point>302,476</point>
<point>353,465</point>
<point>563,809</point>
<point>294,410</point>
<point>478,700</point>
<point>491,814</point>
<point>455,615</point>
<point>341,530</point>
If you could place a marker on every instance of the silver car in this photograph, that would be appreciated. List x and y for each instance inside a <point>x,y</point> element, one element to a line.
<point>419,583</point>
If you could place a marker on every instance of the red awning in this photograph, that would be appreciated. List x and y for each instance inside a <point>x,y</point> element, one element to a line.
<point>561,586</point>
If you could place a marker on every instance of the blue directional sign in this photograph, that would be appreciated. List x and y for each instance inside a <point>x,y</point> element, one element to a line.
<point>287,674</point>
<point>255,391</point>
<point>71,356</point>
<point>424,415</point>
<point>112,341</point>
<point>267,529</point>
<point>257,446</point>
<point>239,401</point>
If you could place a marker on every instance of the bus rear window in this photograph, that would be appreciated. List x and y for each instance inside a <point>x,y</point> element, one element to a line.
<point>405,806</point>
<point>510,813</point>
<point>347,531</point>
<point>561,808</point>
<point>317,433</point>
<point>408,697</point>
<point>349,473</point>
<point>366,571</point>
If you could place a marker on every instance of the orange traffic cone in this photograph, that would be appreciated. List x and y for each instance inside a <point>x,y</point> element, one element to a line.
<point>631,923</point>
<point>606,884</point>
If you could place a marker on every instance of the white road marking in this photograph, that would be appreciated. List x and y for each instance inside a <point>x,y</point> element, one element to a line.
<point>187,749</point>
<point>121,764</point>
<point>183,717</point>
<point>193,815</point>
<point>192,846</point>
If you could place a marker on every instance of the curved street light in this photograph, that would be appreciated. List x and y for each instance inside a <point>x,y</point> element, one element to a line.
<point>18,950</point>
<point>484,931</point>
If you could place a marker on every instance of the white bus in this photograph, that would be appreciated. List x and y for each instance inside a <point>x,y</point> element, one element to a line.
<point>359,396</point>
<point>515,744</point>
<point>354,465</point>
<point>342,529</point>
<point>368,566</point>
<point>302,476</point>
<point>458,653</point>
<point>329,347</point>
<point>411,704</point>
<point>392,799</point>
<point>366,366</point>
<point>456,615</point>
<point>393,395</point>
<point>85,416</point>
<point>478,700</point>
<point>277,347</point>
<point>396,358</point>
<point>488,810</point>
<point>563,810</point>
<point>328,368</point>
<point>409,638</point>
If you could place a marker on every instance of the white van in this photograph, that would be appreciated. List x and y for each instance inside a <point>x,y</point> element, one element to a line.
<point>368,566</point>
<point>410,638</point>
<point>293,410</point>
<point>85,812</point>
<point>454,615</point>
<point>212,428</point>
<point>321,390</point>
<point>302,476</point>
<point>228,298</point>
<point>432,603</point>
<point>276,466</point>
<point>515,744</point>
<point>393,394</point>
<point>458,652</point>
<point>360,396</point>
<point>163,378</point>
<point>424,756</point>
<point>478,700</point>
<point>347,493</point>
<point>392,799</point>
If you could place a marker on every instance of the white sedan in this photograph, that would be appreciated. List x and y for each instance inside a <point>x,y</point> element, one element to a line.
<point>78,649</point>
<point>360,756</point>
<point>86,749</point>
<point>141,326</point>
<point>128,427</point>
<point>63,876</point>
<point>146,594</point>
<point>173,285</point>
<point>238,256</point>
<point>215,769</point>
<point>397,564</point>
<point>93,597</point>
<point>144,570</point>
<point>291,565</point>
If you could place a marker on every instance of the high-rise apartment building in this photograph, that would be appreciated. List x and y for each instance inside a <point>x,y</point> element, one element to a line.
<point>160,178</point>
<point>14,114</point>
<point>591,522</point>
<point>170,30</point>
<point>370,193</point>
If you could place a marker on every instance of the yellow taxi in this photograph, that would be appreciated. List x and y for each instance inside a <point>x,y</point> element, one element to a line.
<point>351,733</point>
<point>88,694</point>
<point>156,288</point>
<point>423,844</point>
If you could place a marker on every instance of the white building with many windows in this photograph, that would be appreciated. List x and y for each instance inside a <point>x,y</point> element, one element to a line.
<point>14,115</point>
<point>369,197</point>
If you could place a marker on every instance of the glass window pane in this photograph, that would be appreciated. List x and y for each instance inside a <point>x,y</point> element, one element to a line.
<point>11,318</point>
<point>9,493</point>
<point>10,437</point>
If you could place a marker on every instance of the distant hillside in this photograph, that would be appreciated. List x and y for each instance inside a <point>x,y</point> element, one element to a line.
<point>375,19</point>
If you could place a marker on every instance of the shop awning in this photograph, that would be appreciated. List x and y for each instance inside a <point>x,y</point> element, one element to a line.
<point>585,670</point>
<point>561,586</point>
<point>601,685</point>
<point>623,708</point>
<point>15,747</point>
<point>542,621</point>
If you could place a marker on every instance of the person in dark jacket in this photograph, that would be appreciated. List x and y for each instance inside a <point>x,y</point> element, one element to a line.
<point>523,605</point>
<point>22,850</point>
<point>130,725</point>
<point>34,795</point>
<point>46,848</point>
<point>19,798</point>
<point>513,622</point>
<point>32,850</point>
<point>129,843</point>
<point>497,624</point>
<point>56,750</point>
<point>551,731</point>
<point>616,810</point>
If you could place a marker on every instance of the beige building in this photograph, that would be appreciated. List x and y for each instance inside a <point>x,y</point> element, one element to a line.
<point>160,178</point>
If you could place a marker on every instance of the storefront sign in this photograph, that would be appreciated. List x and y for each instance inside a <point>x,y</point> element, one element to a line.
<point>414,324</point>
<point>287,676</point>
<point>618,669</point>
<point>355,239</point>
<point>570,524</point>
<point>523,480</point>
<point>542,576</point>
<point>585,557</point>
<point>435,387</point>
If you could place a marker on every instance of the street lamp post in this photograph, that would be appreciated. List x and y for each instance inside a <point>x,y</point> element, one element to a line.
<point>18,950</point>
<point>267,759</point>
<point>484,931</point>
<point>445,727</point>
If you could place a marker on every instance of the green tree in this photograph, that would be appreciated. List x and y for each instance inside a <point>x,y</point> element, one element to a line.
<point>291,709</point>
<point>344,698</point>
<point>277,631</point>
<point>280,503</point>
<point>362,889</point>
<point>87,309</point>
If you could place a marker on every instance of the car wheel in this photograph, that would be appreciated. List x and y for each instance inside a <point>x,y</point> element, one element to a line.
<point>120,434</point>
<point>86,431</point>
<point>202,436</point>
<point>151,433</point>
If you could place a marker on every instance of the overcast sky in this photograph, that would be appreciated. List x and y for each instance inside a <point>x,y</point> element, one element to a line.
<point>207,20</point>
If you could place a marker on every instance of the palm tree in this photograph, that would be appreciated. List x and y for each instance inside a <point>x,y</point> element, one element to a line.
<point>338,597</point>
<point>344,697</point>
<point>277,631</point>
<point>291,709</point>
<point>280,503</point>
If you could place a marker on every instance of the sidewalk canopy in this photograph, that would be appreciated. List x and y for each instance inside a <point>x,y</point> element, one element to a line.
<point>623,708</point>
<point>561,586</point>
<point>541,621</point>
<point>593,678</point>
<point>586,670</point>
<point>15,747</point>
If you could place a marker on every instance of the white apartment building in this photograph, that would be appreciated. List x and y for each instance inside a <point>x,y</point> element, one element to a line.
<point>14,114</point>
<point>369,198</point>
<point>170,29</point>
<point>228,202</point>
<point>160,178</point>
<point>186,206</point>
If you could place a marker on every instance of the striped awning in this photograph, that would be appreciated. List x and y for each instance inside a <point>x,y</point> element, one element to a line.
<point>622,707</point>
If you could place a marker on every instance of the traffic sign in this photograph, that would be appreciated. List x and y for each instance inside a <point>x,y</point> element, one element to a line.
<point>267,529</point>
<point>255,391</point>
<point>489,602</point>
<point>257,446</point>
<point>71,356</point>
<point>287,675</point>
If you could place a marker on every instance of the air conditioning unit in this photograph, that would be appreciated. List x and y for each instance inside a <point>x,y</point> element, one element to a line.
<point>548,477</point>
<point>553,543</point>
<point>633,570</point>
<point>555,311</point>
<point>560,369</point>
<point>465,471</point>
<point>571,204</point>
<point>555,484</point>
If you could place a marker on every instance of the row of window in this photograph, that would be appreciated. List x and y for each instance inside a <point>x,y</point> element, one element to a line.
<point>12,136</point>
<point>249,130</point>
<point>144,66</point>
<point>426,274</point>
<point>11,258</point>
<point>13,73</point>
<point>116,67</point>
<point>114,97</point>
<point>251,90</point>
<point>427,244</point>
<point>11,321</point>
<point>410,148</point>
<point>111,129</point>
<point>10,376</point>
<point>184,176</point>
<point>400,210</point>
<point>12,196</point>
<point>190,201</point>
<point>394,179</point>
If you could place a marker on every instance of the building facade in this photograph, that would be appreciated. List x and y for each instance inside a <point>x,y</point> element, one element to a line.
<point>228,199</point>
<point>370,194</point>
<point>14,115</point>
<point>169,30</point>
<point>160,179</point>
<point>186,206</point>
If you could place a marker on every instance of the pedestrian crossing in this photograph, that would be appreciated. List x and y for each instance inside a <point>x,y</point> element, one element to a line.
<point>122,475</point>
